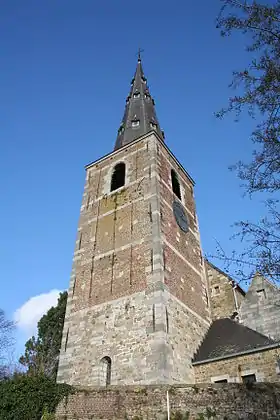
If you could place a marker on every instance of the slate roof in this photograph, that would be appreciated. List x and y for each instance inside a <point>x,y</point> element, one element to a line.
<point>226,337</point>
<point>139,107</point>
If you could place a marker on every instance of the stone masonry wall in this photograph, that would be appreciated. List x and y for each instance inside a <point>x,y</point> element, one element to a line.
<point>222,401</point>
<point>223,303</point>
<point>185,333</point>
<point>127,331</point>
<point>111,309</point>
<point>114,228</point>
<point>129,301</point>
<point>261,308</point>
<point>184,275</point>
<point>262,364</point>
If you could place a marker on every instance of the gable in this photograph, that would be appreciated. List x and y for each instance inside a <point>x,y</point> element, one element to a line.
<point>224,294</point>
<point>259,284</point>
<point>260,309</point>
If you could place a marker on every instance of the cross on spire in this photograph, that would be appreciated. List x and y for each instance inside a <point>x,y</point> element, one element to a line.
<point>139,53</point>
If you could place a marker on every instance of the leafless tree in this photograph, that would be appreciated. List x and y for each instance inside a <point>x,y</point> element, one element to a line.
<point>6,341</point>
<point>258,87</point>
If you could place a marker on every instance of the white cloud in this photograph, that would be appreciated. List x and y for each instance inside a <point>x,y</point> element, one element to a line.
<point>33,309</point>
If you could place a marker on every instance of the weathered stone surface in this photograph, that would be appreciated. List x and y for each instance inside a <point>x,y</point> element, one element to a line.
<point>223,401</point>
<point>225,299</point>
<point>263,364</point>
<point>150,338</point>
<point>138,290</point>
<point>184,272</point>
<point>261,308</point>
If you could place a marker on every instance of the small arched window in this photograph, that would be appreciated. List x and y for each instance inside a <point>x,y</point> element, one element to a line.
<point>175,184</point>
<point>106,370</point>
<point>118,176</point>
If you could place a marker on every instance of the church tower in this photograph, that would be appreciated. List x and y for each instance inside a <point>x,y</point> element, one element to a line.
<point>137,307</point>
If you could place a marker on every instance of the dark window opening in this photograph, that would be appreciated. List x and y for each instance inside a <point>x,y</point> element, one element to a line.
<point>107,370</point>
<point>136,95</point>
<point>221,381</point>
<point>216,290</point>
<point>175,184</point>
<point>135,123</point>
<point>121,129</point>
<point>118,177</point>
<point>249,379</point>
<point>261,294</point>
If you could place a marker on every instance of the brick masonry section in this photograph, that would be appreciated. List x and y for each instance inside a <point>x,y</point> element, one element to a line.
<point>226,401</point>
<point>263,364</point>
<point>184,274</point>
<point>137,292</point>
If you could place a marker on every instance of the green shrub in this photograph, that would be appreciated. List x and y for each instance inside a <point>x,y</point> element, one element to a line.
<point>26,397</point>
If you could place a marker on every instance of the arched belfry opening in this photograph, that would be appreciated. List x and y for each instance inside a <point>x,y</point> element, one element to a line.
<point>175,184</point>
<point>106,371</point>
<point>118,176</point>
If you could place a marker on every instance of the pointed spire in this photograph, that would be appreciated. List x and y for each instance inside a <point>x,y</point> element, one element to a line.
<point>139,115</point>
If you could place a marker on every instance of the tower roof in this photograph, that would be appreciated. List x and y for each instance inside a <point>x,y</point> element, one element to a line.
<point>139,114</point>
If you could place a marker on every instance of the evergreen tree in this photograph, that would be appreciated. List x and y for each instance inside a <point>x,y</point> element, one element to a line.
<point>42,352</point>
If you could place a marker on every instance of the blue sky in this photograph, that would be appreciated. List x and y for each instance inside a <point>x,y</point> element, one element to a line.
<point>66,68</point>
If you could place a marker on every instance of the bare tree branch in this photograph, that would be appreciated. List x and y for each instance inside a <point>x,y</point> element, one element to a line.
<point>6,340</point>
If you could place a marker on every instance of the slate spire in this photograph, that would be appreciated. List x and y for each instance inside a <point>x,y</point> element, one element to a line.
<point>139,115</point>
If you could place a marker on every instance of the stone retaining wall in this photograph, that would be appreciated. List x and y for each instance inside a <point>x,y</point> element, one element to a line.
<point>219,401</point>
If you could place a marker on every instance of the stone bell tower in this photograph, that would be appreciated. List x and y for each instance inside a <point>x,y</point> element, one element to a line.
<point>137,307</point>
